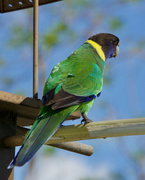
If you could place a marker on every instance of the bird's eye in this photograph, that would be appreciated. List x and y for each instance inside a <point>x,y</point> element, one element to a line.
<point>115,42</point>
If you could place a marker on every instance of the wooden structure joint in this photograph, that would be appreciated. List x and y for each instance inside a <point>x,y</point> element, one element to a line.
<point>14,5</point>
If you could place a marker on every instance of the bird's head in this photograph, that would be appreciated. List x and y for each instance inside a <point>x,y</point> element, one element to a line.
<point>108,42</point>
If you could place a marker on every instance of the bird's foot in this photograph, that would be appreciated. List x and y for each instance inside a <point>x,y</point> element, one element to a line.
<point>85,119</point>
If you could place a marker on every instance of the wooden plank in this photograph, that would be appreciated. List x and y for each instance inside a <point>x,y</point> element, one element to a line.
<point>20,100</point>
<point>14,5</point>
<point>26,108</point>
<point>94,130</point>
<point>22,106</point>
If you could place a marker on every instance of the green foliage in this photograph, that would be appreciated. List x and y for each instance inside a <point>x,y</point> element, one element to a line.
<point>82,3</point>
<point>108,80</point>
<point>50,40</point>
<point>7,81</point>
<point>21,35</point>
<point>19,92</point>
<point>54,34</point>
<point>108,76</point>
<point>117,176</point>
<point>131,1</point>
<point>48,150</point>
<point>2,62</point>
<point>115,23</point>
<point>140,45</point>
<point>138,155</point>
<point>113,176</point>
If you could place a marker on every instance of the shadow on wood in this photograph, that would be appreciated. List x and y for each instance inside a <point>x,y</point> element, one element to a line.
<point>7,128</point>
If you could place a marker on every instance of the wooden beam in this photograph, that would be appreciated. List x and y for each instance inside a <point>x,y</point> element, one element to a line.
<point>94,130</point>
<point>76,147</point>
<point>26,108</point>
<point>102,129</point>
<point>13,5</point>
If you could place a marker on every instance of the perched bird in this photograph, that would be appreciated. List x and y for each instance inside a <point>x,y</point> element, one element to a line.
<point>73,85</point>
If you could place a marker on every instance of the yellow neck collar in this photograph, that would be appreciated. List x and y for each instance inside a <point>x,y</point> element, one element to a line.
<point>98,49</point>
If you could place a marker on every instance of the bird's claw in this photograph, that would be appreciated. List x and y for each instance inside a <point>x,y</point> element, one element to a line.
<point>86,121</point>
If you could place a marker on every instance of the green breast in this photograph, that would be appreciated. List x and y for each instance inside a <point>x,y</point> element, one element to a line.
<point>87,68</point>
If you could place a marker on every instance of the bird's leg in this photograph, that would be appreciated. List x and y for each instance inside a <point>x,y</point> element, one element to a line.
<point>85,119</point>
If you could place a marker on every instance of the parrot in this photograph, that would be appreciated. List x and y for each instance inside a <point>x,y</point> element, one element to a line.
<point>72,85</point>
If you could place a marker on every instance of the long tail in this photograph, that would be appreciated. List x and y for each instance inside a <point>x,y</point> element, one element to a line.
<point>42,130</point>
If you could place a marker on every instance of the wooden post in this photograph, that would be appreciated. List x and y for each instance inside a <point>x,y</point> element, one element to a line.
<point>7,128</point>
<point>35,49</point>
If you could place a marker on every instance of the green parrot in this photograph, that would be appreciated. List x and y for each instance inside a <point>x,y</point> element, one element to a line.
<point>73,85</point>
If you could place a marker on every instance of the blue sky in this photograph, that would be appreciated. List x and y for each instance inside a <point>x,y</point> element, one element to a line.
<point>123,99</point>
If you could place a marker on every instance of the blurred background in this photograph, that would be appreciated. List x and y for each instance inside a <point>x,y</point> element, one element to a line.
<point>63,27</point>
